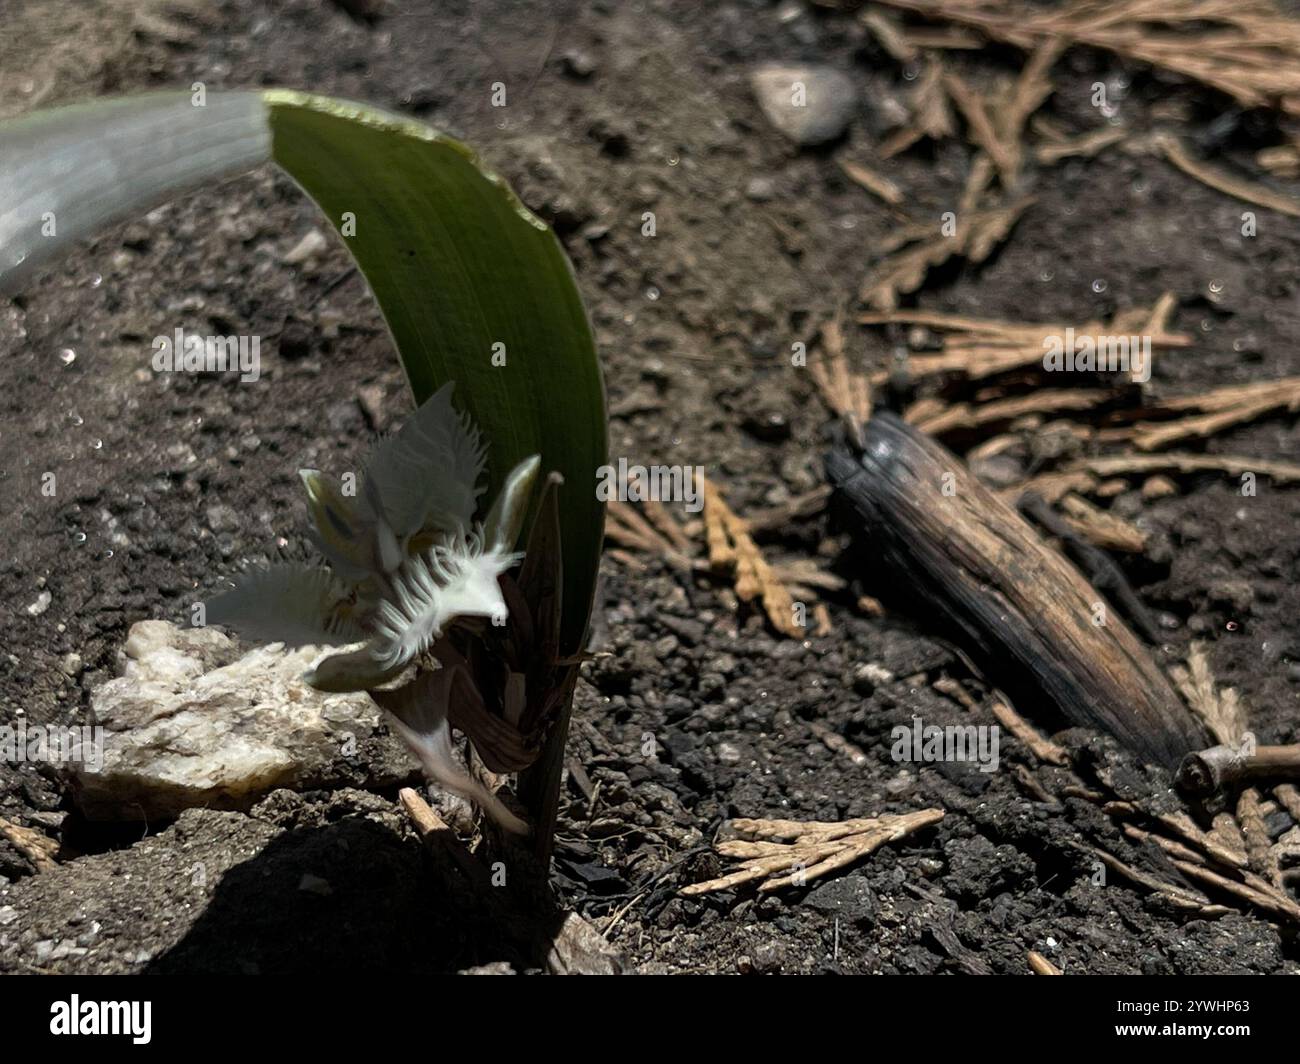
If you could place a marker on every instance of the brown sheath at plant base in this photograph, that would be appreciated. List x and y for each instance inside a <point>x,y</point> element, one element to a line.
<point>1022,610</point>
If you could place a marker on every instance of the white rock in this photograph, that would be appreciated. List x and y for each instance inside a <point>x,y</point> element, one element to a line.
<point>729,753</point>
<point>40,605</point>
<point>810,104</point>
<point>186,726</point>
<point>872,673</point>
<point>311,245</point>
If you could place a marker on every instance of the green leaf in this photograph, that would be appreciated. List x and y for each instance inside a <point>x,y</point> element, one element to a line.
<point>455,260</point>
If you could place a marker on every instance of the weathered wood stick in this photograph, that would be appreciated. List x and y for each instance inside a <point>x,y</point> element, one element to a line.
<point>1025,614</point>
<point>1207,771</point>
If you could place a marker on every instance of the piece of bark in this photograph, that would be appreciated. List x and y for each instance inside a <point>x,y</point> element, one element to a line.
<point>1206,771</point>
<point>1026,615</point>
<point>435,833</point>
<point>38,848</point>
<point>1099,568</point>
<point>1040,965</point>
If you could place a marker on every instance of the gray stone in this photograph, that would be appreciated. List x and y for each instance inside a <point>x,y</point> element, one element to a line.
<point>222,518</point>
<point>850,898</point>
<point>810,104</point>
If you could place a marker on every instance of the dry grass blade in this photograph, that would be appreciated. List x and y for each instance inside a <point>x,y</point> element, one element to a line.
<point>1254,891</point>
<point>876,184</point>
<point>1244,48</point>
<point>807,850</point>
<point>891,35</point>
<point>1282,160</point>
<point>976,233</point>
<point>941,420</point>
<point>1031,90</point>
<point>1102,528</point>
<point>1179,897</point>
<point>997,124</point>
<point>983,133</point>
<point>1043,749</point>
<point>732,550</point>
<point>1085,146</point>
<point>1259,848</point>
<point>1052,487</point>
<point>1169,846</point>
<point>1185,828</point>
<point>978,348</point>
<point>1237,187</point>
<point>1247,887</point>
<point>905,271</point>
<point>846,393</point>
<point>1174,462</point>
<point>661,535</point>
<point>805,505</point>
<point>931,114</point>
<point>667,525</point>
<point>1224,407</point>
<point>1219,708</point>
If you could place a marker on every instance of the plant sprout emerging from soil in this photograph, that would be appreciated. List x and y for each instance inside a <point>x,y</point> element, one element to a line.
<point>410,577</point>
<point>406,563</point>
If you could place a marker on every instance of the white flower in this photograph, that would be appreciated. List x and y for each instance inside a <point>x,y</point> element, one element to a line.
<point>406,563</point>
<point>406,560</point>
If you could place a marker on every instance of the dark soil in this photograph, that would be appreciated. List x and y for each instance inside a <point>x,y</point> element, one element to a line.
<point>169,484</point>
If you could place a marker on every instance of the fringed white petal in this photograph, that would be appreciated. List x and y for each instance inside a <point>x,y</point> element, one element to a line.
<point>456,579</point>
<point>289,604</point>
<point>428,472</point>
